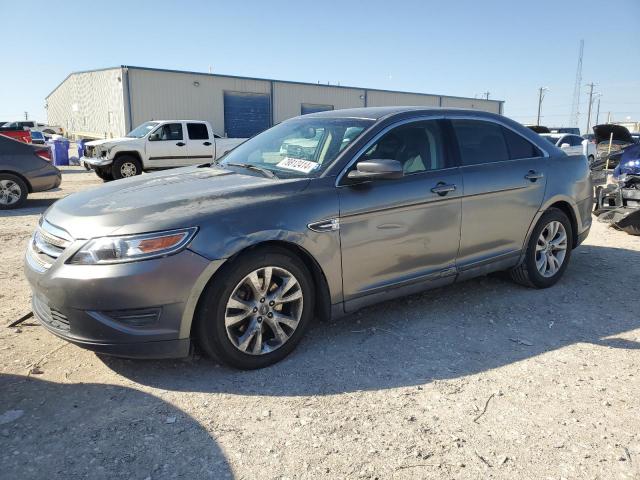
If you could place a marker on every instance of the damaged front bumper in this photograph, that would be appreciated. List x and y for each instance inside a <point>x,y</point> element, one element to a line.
<point>96,161</point>
<point>619,207</point>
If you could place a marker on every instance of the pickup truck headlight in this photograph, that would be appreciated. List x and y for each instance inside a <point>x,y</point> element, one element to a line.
<point>131,248</point>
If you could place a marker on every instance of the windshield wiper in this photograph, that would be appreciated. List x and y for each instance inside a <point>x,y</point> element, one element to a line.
<point>249,166</point>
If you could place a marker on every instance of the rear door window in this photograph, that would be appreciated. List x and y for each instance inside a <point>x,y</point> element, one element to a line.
<point>519,147</point>
<point>197,131</point>
<point>480,142</point>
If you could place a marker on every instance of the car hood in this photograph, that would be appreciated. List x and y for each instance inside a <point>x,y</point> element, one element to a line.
<point>171,199</point>
<point>109,141</point>
<point>603,133</point>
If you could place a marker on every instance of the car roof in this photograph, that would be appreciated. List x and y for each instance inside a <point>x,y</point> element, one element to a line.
<point>377,113</point>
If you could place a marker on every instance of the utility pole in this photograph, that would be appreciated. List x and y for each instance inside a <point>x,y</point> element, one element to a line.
<point>590,85</point>
<point>541,91</point>
<point>598,112</point>
<point>486,95</point>
<point>26,115</point>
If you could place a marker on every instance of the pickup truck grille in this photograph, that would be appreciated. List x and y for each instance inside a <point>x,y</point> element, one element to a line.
<point>46,245</point>
<point>89,151</point>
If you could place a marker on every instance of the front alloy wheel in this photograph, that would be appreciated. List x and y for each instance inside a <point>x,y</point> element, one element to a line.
<point>256,309</point>
<point>551,249</point>
<point>128,169</point>
<point>264,310</point>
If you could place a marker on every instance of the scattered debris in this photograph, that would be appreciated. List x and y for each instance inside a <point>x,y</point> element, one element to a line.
<point>170,420</point>
<point>486,404</point>
<point>628,454</point>
<point>20,320</point>
<point>34,368</point>
<point>482,459</point>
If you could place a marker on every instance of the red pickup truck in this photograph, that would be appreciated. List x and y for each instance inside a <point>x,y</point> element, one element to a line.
<point>22,135</point>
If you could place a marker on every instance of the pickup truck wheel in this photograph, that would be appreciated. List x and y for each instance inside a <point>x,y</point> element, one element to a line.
<point>104,173</point>
<point>256,310</point>
<point>13,191</point>
<point>548,251</point>
<point>126,166</point>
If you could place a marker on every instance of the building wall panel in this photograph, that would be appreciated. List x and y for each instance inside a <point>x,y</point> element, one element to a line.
<point>477,103</point>
<point>89,104</point>
<point>378,98</point>
<point>161,95</point>
<point>288,98</point>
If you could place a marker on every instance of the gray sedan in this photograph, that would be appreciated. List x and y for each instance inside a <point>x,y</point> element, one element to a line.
<point>24,169</point>
<point>316,217</point>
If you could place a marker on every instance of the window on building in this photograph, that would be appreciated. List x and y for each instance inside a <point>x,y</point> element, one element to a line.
<point>197,131</point>
<point>480,142</point>
<point>306,108</point>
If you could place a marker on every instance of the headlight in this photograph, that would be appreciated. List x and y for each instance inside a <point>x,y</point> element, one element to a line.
<point>131,248</point>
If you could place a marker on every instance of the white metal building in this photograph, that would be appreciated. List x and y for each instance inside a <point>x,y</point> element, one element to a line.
<point>109,102</point>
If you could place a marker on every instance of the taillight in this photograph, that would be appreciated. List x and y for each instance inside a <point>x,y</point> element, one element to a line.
<point>44,153</point>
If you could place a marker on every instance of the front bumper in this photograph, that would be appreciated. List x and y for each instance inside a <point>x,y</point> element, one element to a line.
<point>137,310</point>
<point>96,161</point>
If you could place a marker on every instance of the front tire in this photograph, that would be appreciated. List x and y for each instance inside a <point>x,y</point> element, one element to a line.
<point>126,166</point>
<point>104,173</point>
<point>13,191</point>
<point>256,310</point>
<point>548,251</point>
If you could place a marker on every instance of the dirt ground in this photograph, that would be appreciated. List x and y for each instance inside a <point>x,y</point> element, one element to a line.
<point>484,379</point>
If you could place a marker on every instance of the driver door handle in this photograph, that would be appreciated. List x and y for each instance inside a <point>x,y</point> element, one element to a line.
<point>207,143</point>
<point>532,176</point>
<point>443,188</point>
<point>180,144</point>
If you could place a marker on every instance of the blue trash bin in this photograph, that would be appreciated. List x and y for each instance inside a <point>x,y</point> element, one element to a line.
<point>60,152</point>
<point>81,147</point>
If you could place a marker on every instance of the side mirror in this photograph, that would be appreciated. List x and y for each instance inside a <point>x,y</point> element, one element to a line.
<point>565,145</point>
<point>154,137</point>
<point>376,169</point>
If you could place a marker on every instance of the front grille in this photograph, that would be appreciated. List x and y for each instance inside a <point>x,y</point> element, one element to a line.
<point>46,245</point>
<point>48,315</point>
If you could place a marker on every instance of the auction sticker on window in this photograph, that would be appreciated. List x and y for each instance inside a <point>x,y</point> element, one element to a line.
<point>297,164</point>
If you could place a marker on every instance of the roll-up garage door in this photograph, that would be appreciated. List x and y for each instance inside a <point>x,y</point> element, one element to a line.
<point>246,114</point>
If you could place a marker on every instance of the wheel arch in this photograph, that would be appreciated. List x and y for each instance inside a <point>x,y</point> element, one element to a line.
<point>131,153</point>
<point>323,297</point>
<point>21,177</point>
<point>569,211</point>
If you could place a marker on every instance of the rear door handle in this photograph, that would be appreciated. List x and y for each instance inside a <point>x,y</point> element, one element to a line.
<point>532,176</point>
<point>443,188</point>
<point>207,143</point>
<point>180,144</point>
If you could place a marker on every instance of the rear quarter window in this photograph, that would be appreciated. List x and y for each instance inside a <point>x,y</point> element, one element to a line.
<point>480,142</point>
<point>519,147</point>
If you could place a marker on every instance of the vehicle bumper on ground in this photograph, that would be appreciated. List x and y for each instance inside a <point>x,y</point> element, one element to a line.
<point>135,310</point>
<point>96,161</point>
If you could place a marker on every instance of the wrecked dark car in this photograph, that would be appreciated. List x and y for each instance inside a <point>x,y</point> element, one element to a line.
<point>619,203</point>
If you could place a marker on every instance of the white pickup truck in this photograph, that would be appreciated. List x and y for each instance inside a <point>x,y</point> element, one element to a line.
<point>156,145</point>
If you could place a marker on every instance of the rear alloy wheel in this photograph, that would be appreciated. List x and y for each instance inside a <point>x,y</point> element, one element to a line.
<point>13,191</point>
<point>548,251</point>
<point>126,166</point>
<point>256,311</point>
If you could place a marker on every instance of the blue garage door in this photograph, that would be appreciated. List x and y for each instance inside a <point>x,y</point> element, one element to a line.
<point>313,108</point>
<point>246,114</point>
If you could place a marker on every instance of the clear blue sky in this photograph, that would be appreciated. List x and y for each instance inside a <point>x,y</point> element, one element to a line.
<point>509,48</point>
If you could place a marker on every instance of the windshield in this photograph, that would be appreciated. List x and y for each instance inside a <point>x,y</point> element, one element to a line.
<point>141,130</point>
<point>553,139</point>
<point>298,148</point>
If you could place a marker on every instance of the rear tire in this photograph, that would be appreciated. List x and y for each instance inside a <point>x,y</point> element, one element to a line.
<point>13,191</point>
<point>225,332</point>
<point>541,252</point>
<point>125,166</point>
